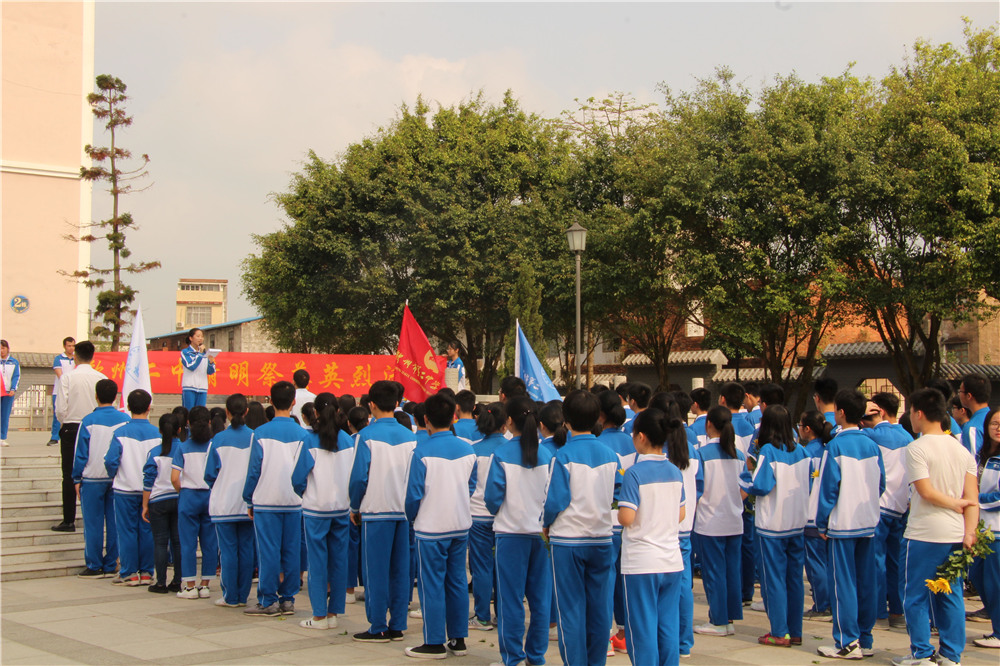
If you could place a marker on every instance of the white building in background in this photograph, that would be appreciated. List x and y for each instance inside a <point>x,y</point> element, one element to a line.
<point>201,303</point>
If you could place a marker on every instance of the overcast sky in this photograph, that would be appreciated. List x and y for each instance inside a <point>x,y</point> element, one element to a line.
<point>227,98</point>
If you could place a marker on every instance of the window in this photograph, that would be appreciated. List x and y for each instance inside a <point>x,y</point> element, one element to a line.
<point>232,340</point>
<point>956,352</point>
<point>612,345</point>
<point>201,287</point>
<point>198,315</point>
<point>693,330</point>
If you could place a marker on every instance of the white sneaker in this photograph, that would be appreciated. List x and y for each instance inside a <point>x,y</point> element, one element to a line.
<point>945,661</point>
<point>709,629</point>
<point>849,651</point>
<point>730,629</point>
<point>313,623</point>
<point>474,623</point>
<point>914,661</point>
<point>350,598</point>
<point>988,642</point>
<point>221,601</point>
<point>204,592</point>
<point>758,606</point>
<point>188,593</point>
<point>416,614</point>
<point>3,442</point>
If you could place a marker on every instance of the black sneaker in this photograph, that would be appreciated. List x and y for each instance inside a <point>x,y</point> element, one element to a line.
<point>981,615</point>
<point>52,442</point>
<point>394,634</point>
<point>849,651</point>
<point>426,651</point>
<point>90,573</point>
<point>457,647</point>
<point>174,586</point>
<point>822,616</point>
<point>158,589</point>
<point>64,527</point>
<point>369,637</point>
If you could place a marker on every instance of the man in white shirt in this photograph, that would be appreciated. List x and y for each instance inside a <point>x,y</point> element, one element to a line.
<point>943,516</point>
<point>76,398</point>
<point>302,394</point>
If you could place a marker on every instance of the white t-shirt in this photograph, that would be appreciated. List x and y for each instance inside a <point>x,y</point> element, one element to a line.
<point>945,462</point>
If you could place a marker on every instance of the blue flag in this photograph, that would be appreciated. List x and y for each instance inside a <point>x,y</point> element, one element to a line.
<point>529,369</point>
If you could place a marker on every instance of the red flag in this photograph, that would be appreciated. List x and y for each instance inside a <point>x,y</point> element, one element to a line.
<point>418,369</point>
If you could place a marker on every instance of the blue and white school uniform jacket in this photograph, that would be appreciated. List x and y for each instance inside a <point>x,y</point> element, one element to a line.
<point>989,494</point>
<point>381,463</point>
<point>851,481</point>
<point>720,509</point>
<point>815,449</point>
<point>654,488</point>
<point>277,471</point>
<point>972,431</point>
<point>515,493</point>
<point>621,443</point>
<point>441,479</point>
<point>754,416</point>
<point>226,474</point>
<point>329,475</point>
<point>744,430</point>
<point>484,449</point>
<point>466,429</point>
<point>127,455</point>
<point>892,440</point>
<point>190,459</point>
<point>92,442</point>
<point>584,480</point>
<point>781,483</point>
<point>698,426</point>
<point>156,473</point>
<point>10,368</point>
<point>549,444</point>
<point>195,369</point>
<point>694,486</point>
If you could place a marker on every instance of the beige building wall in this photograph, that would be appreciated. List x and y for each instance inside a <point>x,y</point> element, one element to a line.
<point>48,70</point>
<point>193,296</point>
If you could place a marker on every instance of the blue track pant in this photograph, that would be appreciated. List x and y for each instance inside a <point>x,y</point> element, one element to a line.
<point>888,560</point>
<point>100,534</point>
<point>194,524</point>
<point>817,570</point>
<point>55,422</point>
<point>385,565</point>
<point>584,580</point>
<point>326,541</point>
<point>236,555</point>
<point>783,559</point>
<point>190,398</point>
<point>985,576</point>
<point>135,539</point>
<point>651,617</point>
<point>686,604</point>
<point>279,544</point>
<point>482,566</point>
<point>6,406</point>
<point>523,570</point>
<point>720,573</point>
<point>443,590</point>
<point>853,589</point>
<point>946,611</point>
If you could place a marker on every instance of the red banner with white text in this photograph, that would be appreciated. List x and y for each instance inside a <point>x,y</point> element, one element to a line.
<point>253,374</point>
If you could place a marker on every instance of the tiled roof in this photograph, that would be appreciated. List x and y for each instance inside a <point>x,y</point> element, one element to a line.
<point>758,374</point>
<point>860,350</point>
<point>958,370</point>
<point>607,380</point>
<point>184,331</point>
<point>699,357</point>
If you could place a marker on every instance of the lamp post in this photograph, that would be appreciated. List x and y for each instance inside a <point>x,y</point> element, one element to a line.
<point>577,237</point>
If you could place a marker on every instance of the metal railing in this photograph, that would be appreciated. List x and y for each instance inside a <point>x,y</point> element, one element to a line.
<point>32,408</point>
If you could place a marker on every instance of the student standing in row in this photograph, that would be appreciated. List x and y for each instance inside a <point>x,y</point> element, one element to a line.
<point>482,564</point>
<point>515,494</point>
<point>61,364</point>
<point>440,482</point>
<point>225,473</point>
<point>159,506</point>
<point>193,519</point>
<point>815,432</point>
<point>10,374</point>
<point>985,574</point>
<point>196,367</point>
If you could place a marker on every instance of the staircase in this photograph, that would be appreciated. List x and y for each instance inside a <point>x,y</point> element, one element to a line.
<point>30,504</point>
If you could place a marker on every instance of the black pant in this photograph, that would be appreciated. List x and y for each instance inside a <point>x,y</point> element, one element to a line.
<point>163,523</point>
<point>67,451</point>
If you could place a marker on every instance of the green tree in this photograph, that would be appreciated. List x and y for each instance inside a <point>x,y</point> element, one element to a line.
<point>525,306</point>
<point>113,302</point>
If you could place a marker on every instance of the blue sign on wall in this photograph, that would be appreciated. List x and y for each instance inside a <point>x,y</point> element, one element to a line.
<point>19,304</point>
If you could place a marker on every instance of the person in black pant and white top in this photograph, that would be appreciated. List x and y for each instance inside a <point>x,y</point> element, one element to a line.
<point>76,398</point>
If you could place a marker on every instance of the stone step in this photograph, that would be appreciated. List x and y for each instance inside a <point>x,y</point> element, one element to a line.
<point>30,461</point>
<point>17,485</point>
<point>15,539</point>
<point>37,472</point>
<point>31,496</point>
<point>40,570</point>
<point>30,509</point>
<point>50,553</point>
<point>29,524</point>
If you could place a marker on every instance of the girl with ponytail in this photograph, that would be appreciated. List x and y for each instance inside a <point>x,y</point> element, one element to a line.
<point>159,505</point>
<point>225,473</point>
<point>814,432</point>
<point>325,505</point>
<point>719,524</point>
<point>551,426</point>
<point>515,495</point>
<point>491,422</point>
<point>194,523</point>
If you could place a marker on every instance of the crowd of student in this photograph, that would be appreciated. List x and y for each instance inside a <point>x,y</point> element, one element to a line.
<point>598,510</point>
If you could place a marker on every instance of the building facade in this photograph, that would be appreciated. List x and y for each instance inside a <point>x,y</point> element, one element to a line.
<point>201,303</point>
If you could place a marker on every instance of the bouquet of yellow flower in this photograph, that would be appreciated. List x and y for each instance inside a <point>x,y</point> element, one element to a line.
<point>957,564</point>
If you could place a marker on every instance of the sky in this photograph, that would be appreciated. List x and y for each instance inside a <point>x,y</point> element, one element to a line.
<point>228,98</point>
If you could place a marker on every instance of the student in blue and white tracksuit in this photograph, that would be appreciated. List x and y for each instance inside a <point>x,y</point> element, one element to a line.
<point>325,509</point>
<point>583,484</point>
<point>193,519</point>
<point>732,396</point>
<point>97,501</point>
<point>780,482</point>
<point>10,369</point>
<point>482,564</point>
<point>124,461</point>
<point>465,424</point>
<point>851,480</point>
<point>196,367</point>
<point>815,433</point>
<point>693,473</point>
<point>159,505</point>
<point>276,479</point>
<point>719,524</point>
<point>650,507</point>
<point>894,504</point>
<point>62,364</point>
<point>378,493</point>
<point>515,494</point>
<point>226,474</point>
<point>985,575</point>
<point>974,392</point>
<point>440,482</point>
<point>611,420</point>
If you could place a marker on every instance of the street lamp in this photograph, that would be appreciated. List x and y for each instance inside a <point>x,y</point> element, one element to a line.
<point>577,237</point>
